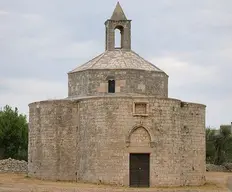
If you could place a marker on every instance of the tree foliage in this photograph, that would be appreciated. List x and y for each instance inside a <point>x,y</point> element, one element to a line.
<point>219,145</point>
<point>13,133</point>
<point>210,147</point>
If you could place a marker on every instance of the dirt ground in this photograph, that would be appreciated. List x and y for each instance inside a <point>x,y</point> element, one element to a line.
<point>21,183</point>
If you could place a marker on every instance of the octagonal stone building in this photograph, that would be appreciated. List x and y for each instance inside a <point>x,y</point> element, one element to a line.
<point>117,125</point>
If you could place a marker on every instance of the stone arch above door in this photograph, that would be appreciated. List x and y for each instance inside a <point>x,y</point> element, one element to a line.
<point>142,135</point>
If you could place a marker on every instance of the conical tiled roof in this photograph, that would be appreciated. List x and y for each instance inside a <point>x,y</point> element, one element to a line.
<point>118,13</point>
<point>118,59</point>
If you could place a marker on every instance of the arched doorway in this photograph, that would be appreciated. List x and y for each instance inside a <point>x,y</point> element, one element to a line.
<point>139,160</point>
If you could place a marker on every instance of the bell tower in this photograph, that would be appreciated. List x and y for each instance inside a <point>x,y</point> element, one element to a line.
<point>118,21</point>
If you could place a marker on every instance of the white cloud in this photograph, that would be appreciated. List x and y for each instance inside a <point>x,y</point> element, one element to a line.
<point>191,82</point>
<point>20,92</point>
<point>33,18</point>
<point>72,50</point>
<point>216,17</point>
<point>182,73</point>
<point>218,111</point>
<point>2,13</point>
<point>226,52</point>
<point>37,36</point>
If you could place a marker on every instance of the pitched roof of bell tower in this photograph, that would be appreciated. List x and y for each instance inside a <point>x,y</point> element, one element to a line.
<point>118,57</point>
<point>118,13</point>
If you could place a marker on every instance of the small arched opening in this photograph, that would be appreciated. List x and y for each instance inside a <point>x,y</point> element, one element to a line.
<point>119,31</point>
<point>111,86</point>
<point>139,140</point>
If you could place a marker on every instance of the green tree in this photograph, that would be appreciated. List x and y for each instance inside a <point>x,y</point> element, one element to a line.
<point>210,144</point>
<point>222,143</point>
<point>13,133</point>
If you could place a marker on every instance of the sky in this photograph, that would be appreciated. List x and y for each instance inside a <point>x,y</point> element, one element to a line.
<point>40,41</point>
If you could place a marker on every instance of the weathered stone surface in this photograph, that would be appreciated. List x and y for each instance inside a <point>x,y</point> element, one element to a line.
<point>53,138</point>
<point>90,135</point>
<point>85,140</point>
<point>13,166</point>
<point>216,168</point>
<point>135,82</point>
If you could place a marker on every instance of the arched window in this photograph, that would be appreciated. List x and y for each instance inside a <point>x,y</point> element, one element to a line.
<point>118,37</point>
<point>111,86</point>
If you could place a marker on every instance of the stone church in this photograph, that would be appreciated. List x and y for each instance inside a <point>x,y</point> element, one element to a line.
<point>117,125</point>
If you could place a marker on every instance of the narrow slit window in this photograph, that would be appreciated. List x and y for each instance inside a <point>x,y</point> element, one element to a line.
<point>111,86</point>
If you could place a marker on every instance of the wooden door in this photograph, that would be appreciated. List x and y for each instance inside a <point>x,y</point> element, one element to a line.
<point>139,170</point>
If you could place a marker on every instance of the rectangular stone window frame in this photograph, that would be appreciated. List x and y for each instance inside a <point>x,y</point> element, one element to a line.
<point>140,102</point>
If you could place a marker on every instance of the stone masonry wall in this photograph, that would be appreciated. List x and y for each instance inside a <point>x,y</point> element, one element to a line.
<point>95,82</point>
<point>193,143</point>
<point>53,139</point>
<point>91,140</point>
<point>13,166</point>
<point>104,150</point>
